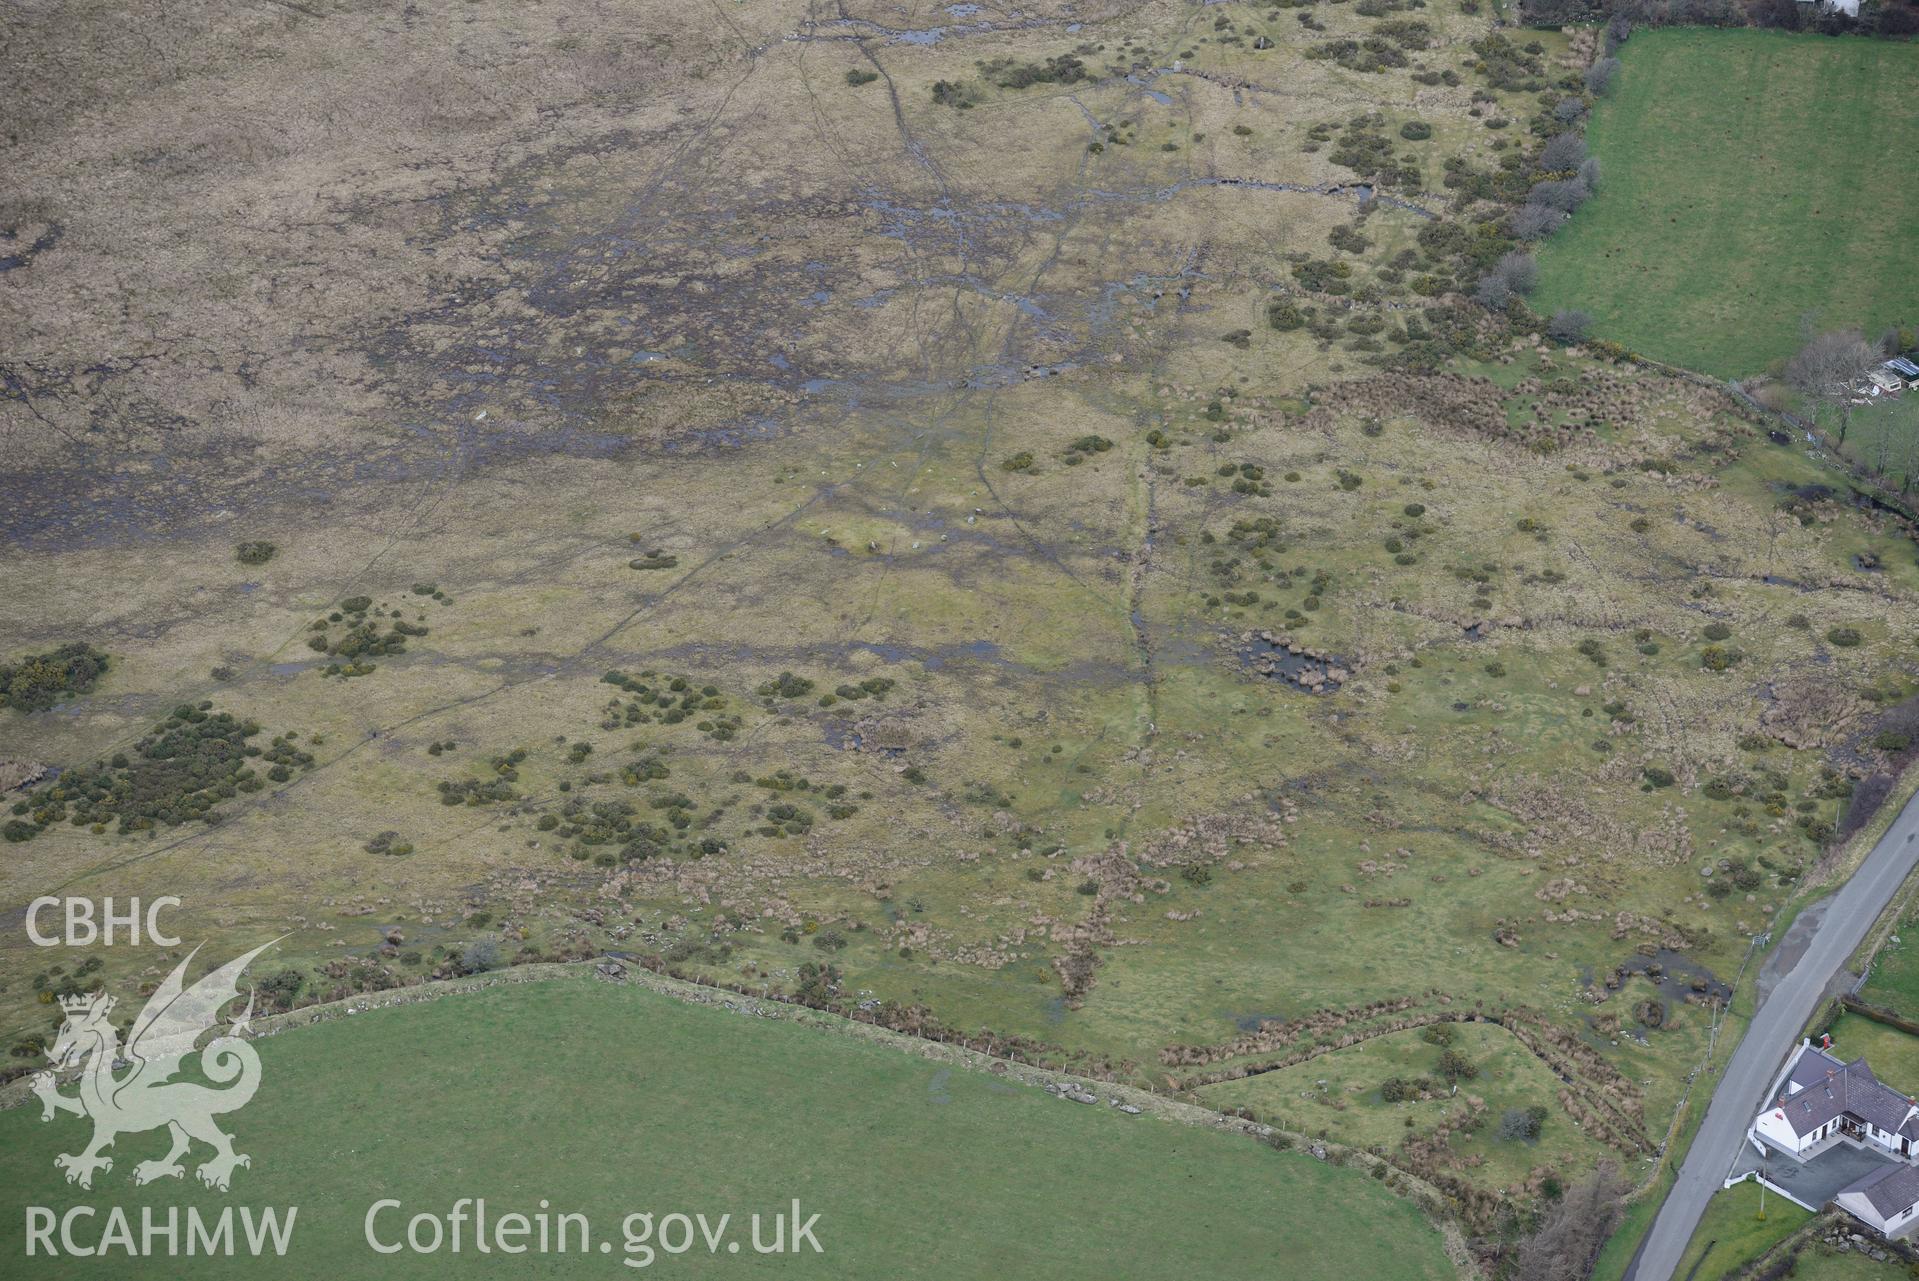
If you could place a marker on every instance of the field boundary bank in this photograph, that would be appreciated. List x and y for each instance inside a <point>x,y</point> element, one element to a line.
<point>1879,1014</point>
<point>1428,1198</point>
<point>1861,484</point>
<point>1616,1127</point>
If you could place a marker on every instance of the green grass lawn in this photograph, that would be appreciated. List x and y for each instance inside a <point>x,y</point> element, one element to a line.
<point>1894,981</point>
<point>1883,437</point>
<point>614,1100</point>
<point>1894,1055</point>
<point>1825,1264</point>
<point>1748,178</point>
<point>1731,1233</point>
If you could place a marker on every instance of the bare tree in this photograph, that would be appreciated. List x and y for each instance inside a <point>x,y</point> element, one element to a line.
<point>1520,271</point>
<point>1600,76</point>
<point>1569,326</point>
<point>1492,293</point>
<point>1514,273</point>
<point>1828,371</point>
<point>1562,152</point>
<point>1563,194</point>
<point>1775,525</point>
<point>1570,1234</point>
<point>1536,222</point>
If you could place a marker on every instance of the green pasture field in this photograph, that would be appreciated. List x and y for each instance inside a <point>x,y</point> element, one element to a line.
<point>1883,437</point>
<point>1748,179</point>
<point>616,1100</point>
<point>1894,981</point>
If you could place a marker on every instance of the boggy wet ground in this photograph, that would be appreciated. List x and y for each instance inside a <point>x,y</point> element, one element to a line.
<point>533,295</point>
<point>1675,978</point>
<point>724,260</point>
<point>1277,656</point>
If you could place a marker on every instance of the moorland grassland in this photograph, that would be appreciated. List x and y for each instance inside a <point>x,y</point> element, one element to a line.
<point>829,505</point>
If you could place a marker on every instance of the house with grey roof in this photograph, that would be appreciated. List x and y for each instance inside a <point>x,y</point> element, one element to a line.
<point>1822,1102</point>
<point>1887,1200</point>
<point>1823,1099</point>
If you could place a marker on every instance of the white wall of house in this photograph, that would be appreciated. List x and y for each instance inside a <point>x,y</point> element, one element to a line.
<point>1856,1204</point>
<point>1774,1129</point>
<point>1887,1139</point>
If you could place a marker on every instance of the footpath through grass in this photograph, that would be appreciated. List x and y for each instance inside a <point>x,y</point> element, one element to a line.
<point>612,1100</point>
<point>1748,178</point>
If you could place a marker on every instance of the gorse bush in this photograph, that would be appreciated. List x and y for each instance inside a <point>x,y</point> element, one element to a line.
<point>1064,69</point>
<point>786,685</point>
<point>666,699</point>
<point>180,772</point>
<point>37,681</point>
<point>1522,1124</point>
<point>948,93</point>
<point>353,633</point>
<point>1080,449</point>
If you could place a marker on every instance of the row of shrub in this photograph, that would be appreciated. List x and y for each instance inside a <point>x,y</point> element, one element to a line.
<point>180,772</point>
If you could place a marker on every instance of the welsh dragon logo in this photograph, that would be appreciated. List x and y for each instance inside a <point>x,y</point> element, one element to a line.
<point>129,1090</point>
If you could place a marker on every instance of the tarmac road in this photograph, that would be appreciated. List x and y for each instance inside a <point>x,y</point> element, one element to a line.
<point>1769,1038</point>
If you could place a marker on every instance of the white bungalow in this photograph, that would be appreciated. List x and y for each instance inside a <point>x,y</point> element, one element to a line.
<point>1821,1101</point>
